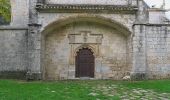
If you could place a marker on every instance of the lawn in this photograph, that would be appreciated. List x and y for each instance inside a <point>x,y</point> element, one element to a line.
<point>84,90</point>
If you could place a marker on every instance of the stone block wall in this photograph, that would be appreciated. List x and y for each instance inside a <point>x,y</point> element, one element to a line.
<point>156,17</point>
<point>116,63</point>
<point>13,53</point>
<point>158,51</point>
<point>110,52</point>
<point>13,42</point>
<point>47,18</point>
<point>145,52</point>
<point>139,52</point>
<point>151,51</point>
<point>20,13</point>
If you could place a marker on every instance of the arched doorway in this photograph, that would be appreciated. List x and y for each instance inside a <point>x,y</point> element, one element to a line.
<point>85,62</point>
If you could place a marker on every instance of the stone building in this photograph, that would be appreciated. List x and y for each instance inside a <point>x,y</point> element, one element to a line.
<point>74,39</point>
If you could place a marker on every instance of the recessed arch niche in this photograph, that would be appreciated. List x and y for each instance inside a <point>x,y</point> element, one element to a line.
<point>107,39</point>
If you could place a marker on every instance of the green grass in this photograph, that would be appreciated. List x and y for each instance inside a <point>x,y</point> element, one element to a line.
<point>70,90</point>
<point>158,85</point>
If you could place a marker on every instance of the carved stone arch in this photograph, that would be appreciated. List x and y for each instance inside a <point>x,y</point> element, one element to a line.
<point>93,49</point>
<point>86,18</point>
<point>73,45</point>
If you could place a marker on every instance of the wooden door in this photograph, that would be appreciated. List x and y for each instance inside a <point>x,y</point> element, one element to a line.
<point>85,63</point>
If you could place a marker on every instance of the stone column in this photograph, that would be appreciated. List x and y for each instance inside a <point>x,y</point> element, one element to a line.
<point>139,53</point>
<point>34,44</point>
<point>142,14</point>
<point>34,52</point>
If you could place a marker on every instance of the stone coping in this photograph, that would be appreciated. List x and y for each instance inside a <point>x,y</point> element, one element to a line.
<point>13,28</point>
<point>85,8</point>
<point>150,24</point>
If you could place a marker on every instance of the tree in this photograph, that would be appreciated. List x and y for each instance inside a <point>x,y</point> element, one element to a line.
<point>5,10</point>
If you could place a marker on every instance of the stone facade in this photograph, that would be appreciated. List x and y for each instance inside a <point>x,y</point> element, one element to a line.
<point>127,38</point>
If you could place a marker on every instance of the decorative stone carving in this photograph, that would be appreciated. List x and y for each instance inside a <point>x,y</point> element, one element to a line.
<point>79,8</point>
<point>85,37</point>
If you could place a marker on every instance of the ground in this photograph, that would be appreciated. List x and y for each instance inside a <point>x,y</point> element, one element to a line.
<point>85,90</point>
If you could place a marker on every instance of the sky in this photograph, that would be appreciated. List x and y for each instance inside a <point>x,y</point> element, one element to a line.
<point>158,3</point>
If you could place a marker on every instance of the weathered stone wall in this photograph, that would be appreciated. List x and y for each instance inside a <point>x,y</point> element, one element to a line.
<point>13,55</point>
<point>20,13</point>
<point>144,52</point>
<point>110,53</point>
<point>34,43</point>
<point>111,69</point>
<point>47,18</point>
<point>13,41</point>
<point>139,52</point>
<point>142,14</point>
<point>158,53</point>
<point>156,16</point>
<point>151,51</point>
<point>105,2</point>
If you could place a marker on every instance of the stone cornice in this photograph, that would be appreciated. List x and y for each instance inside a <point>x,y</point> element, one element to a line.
<point>81,8</point>
<point>150,24</point>
<point>13,28</point>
